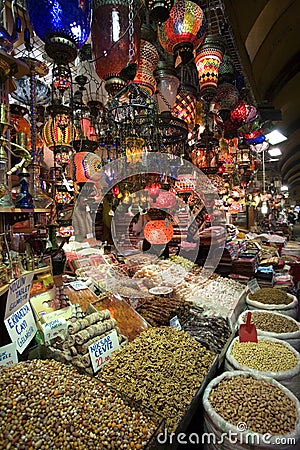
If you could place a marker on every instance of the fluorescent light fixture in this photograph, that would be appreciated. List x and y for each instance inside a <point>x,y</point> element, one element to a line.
<point>275,137</point>
<point>284,188</point>
<point>274,152</point>
<point>272,160</point>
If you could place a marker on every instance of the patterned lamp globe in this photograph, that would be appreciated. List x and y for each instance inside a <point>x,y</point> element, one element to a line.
<point>147,61</point>
<point>208,61</point>
<point>184,30</point>
<point>86,167</point>
<point>111,41</point>
<point>185,106</point>
<point>64,26</point>
<point>57,137</point>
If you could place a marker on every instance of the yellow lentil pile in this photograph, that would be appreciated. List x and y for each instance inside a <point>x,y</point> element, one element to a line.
<point>264,355</point>
<point>273,323</point>
<point>263,407</point>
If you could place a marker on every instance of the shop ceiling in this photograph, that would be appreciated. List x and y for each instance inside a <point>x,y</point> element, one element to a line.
<point>266,33</point>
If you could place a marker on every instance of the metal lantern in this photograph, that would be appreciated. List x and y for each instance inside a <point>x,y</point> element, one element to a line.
<point>184,30</point>
<point>64,26</point>
<point>114,47</point>
<point>208,61</point>
<point>159,10</point>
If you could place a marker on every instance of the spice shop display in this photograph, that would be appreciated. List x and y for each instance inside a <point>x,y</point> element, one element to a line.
<point>276,325</point>
<point>269,356</point>
<point>82,333</point>
<point>276,300</point>
<point>163,369</point>
<point>212,332</point>
<point>130,323</point>
<point>248,404</point>
<point>49,405</point>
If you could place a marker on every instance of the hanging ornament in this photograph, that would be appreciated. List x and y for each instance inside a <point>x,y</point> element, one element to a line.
<point>159,10</point>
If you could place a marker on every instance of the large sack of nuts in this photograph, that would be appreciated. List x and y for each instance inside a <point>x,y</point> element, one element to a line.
<point>275,300</point>
<point>269,357</point>
<point>243,410</point>
<point>275,325</point>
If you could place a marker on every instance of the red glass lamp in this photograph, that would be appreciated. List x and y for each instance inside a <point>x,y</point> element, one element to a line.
<point>86,167</point>
<point>158,231</point>
<point>184,30</point>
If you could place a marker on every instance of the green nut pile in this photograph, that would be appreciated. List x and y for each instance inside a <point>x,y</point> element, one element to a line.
<point>162,368</point>
<point>264,355</point>
<point>272,323</point>
<point>263,407</point>
<point>48,405</point>
<point>270,296</point>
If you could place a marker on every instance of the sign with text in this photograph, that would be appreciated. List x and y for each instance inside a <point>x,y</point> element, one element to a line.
<point>8,355</point>
<point>253,285</point>
<point>174,323</point>
<point>21,327</point>
<point>18,294</point>
<point>78,285</point>
<point>100,351</point>
<point>55,328</point>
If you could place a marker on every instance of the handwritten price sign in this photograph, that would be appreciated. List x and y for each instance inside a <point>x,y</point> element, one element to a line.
<point>54,328</point>
<point>101,351</point>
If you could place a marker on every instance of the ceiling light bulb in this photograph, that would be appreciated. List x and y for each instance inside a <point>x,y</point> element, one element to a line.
<point>275,137</point>
<point>274,152</point>
<point>264,208</point>
<point>284,188</point>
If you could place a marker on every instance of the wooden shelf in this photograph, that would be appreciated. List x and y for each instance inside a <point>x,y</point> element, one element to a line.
<point>5,288</point>
<point>19,210</point>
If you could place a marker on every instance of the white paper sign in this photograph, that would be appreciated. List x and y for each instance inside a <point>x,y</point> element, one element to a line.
<point>101,351</point>
<point>55,328</point>
<point>18,294</point>
<point>21,327</point>
<point>8,355</point>
<point>253,285</point>
<point>174,323</point>
<point>78,285</point>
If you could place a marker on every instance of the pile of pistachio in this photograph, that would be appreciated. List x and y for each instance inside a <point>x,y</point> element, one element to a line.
<point>273,323</point>
<point>261,406</point>
<point>162,368</point>
<point>48,405</point>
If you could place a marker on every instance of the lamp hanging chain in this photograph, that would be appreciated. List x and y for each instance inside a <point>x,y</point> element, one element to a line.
<point>131,31</point>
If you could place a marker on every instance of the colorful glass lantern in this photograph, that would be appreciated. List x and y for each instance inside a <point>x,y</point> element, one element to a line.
<point>208,61</point>
<point>226,70</point>
<point>58,133</point>
<point>184,30</point>
<point>64,26</point>
<point>167,85</point>
<point>134,148</point>
<point>158,231</point>
<point>243,113</point>
<point>185,106</point>
<point>159,10</point>
<point>61,78</point>
<point>226,98</point>
<point>147,63</point>
<point>111,43</point>
<point>86,167</point>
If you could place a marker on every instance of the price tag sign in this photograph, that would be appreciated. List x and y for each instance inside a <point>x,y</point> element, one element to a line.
<point>253,285</point>
<point>55,328</point>
<point>78,285</point>
<point>100,352</point>
<point>134,301</point>
<point>18,294</point>
<point>21,327</point>
<point>8,355</point>
<point>174,323</point>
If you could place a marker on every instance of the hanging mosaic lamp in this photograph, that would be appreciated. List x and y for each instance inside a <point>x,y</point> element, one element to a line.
<point>225,100</point>
<point>239,113</point>
<point>57,136</point>
<point>111,41</point>
<point>64,26</point>
<point>159,10</point>
<point>184,30</point>
<point>208,60</point>
<point>185,106</point>
<point>167,85</point>
<point>158,231</point>
<point>86,167</point>
<point>147,61</point>
<point>226,70</point>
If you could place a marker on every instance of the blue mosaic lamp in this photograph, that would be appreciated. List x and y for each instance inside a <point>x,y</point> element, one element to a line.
<point>64,26</point>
